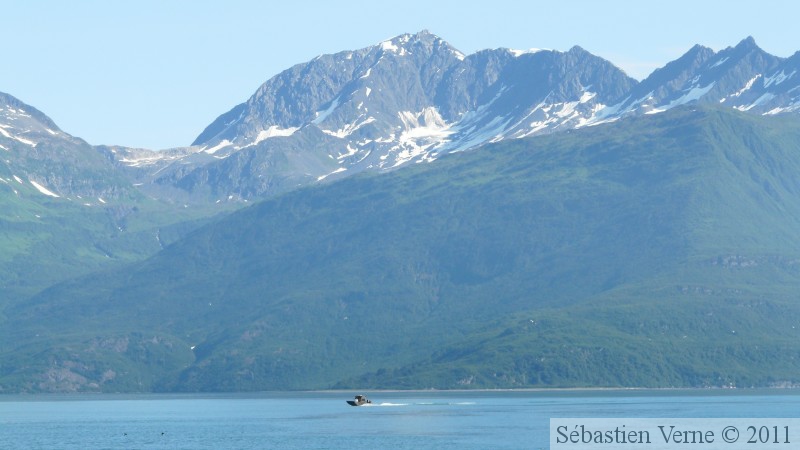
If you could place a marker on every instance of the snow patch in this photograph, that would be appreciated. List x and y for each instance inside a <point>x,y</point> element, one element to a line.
<point>746,87</point>
<point>321,116</point>
<point>586,96</point>
<point>471,132</point>
<point>590,120</point>
<point>553,115</point>
<point>350,128</point>
<point>421,131</point>
<point>763,99</point>
<point>147,160</point>
<point>693,94</point>
<point>608,113</point>
<point>720,62</point>
<point>427,123</point>
<point>778,78</point>
<point>340,169</point>
<point>16,138</point>
<point>791,108</point>
<point>424,124</point>
<point>476,114</point>
<point>612,113</point>
<point>389,46</point>
<point>19,180</point>
<point>217,147</point>
<point>350,152</point>
<point>567,110</point>
<point>43,189</point>
<point>491,132</point>
<point>640,101</point>
<point>517,53</point>
<point>366,155</point>
<point>536,127</point>
<point>274,131</point>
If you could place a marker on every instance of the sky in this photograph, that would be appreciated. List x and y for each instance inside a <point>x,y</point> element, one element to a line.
<point>154,73</point>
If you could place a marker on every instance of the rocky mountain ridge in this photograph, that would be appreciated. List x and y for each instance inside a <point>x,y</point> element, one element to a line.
<point>414,97</point>
<point>407,100</point>
<point>38,158</point>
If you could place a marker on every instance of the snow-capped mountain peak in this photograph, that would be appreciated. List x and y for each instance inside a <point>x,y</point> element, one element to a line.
<point>404,100</point>
<point>412,97</point>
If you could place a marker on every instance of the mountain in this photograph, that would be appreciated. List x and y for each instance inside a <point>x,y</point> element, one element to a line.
<point>590,192</point>
<point>38,156</point>
<point>66,209</point>
<point>414,97</point>
<point>407,99</point>
<point>655,251</point>
<point>422,87</point>
<point>743,77</point>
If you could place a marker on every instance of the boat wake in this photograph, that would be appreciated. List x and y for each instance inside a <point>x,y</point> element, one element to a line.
<point>421,404</point>
<point>370,405</point>
<point>446,403</point>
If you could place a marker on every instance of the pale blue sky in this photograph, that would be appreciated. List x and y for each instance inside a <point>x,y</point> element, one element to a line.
<point>154,73</point>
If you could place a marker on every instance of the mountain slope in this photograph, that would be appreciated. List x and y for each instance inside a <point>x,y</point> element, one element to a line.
<point>680,214</point>
<point>66,209</point>
<point>49,161</point>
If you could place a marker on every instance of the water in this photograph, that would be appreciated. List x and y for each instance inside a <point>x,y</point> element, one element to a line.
<point>397,420</point>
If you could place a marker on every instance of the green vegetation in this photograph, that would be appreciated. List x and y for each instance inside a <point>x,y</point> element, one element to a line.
<point>46,240</point>
<point>659,251</point>
<point>97,220</point>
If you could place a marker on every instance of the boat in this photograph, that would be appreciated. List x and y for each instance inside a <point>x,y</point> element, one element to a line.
<point>360,400</point>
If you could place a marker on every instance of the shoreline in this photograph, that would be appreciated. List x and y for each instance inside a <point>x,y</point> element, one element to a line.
<point>335,393</point>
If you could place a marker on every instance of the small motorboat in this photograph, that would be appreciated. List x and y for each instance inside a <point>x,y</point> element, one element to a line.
<point>360,400</point>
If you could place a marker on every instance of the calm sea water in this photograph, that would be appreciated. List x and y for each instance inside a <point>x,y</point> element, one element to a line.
<point>322,420</point>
